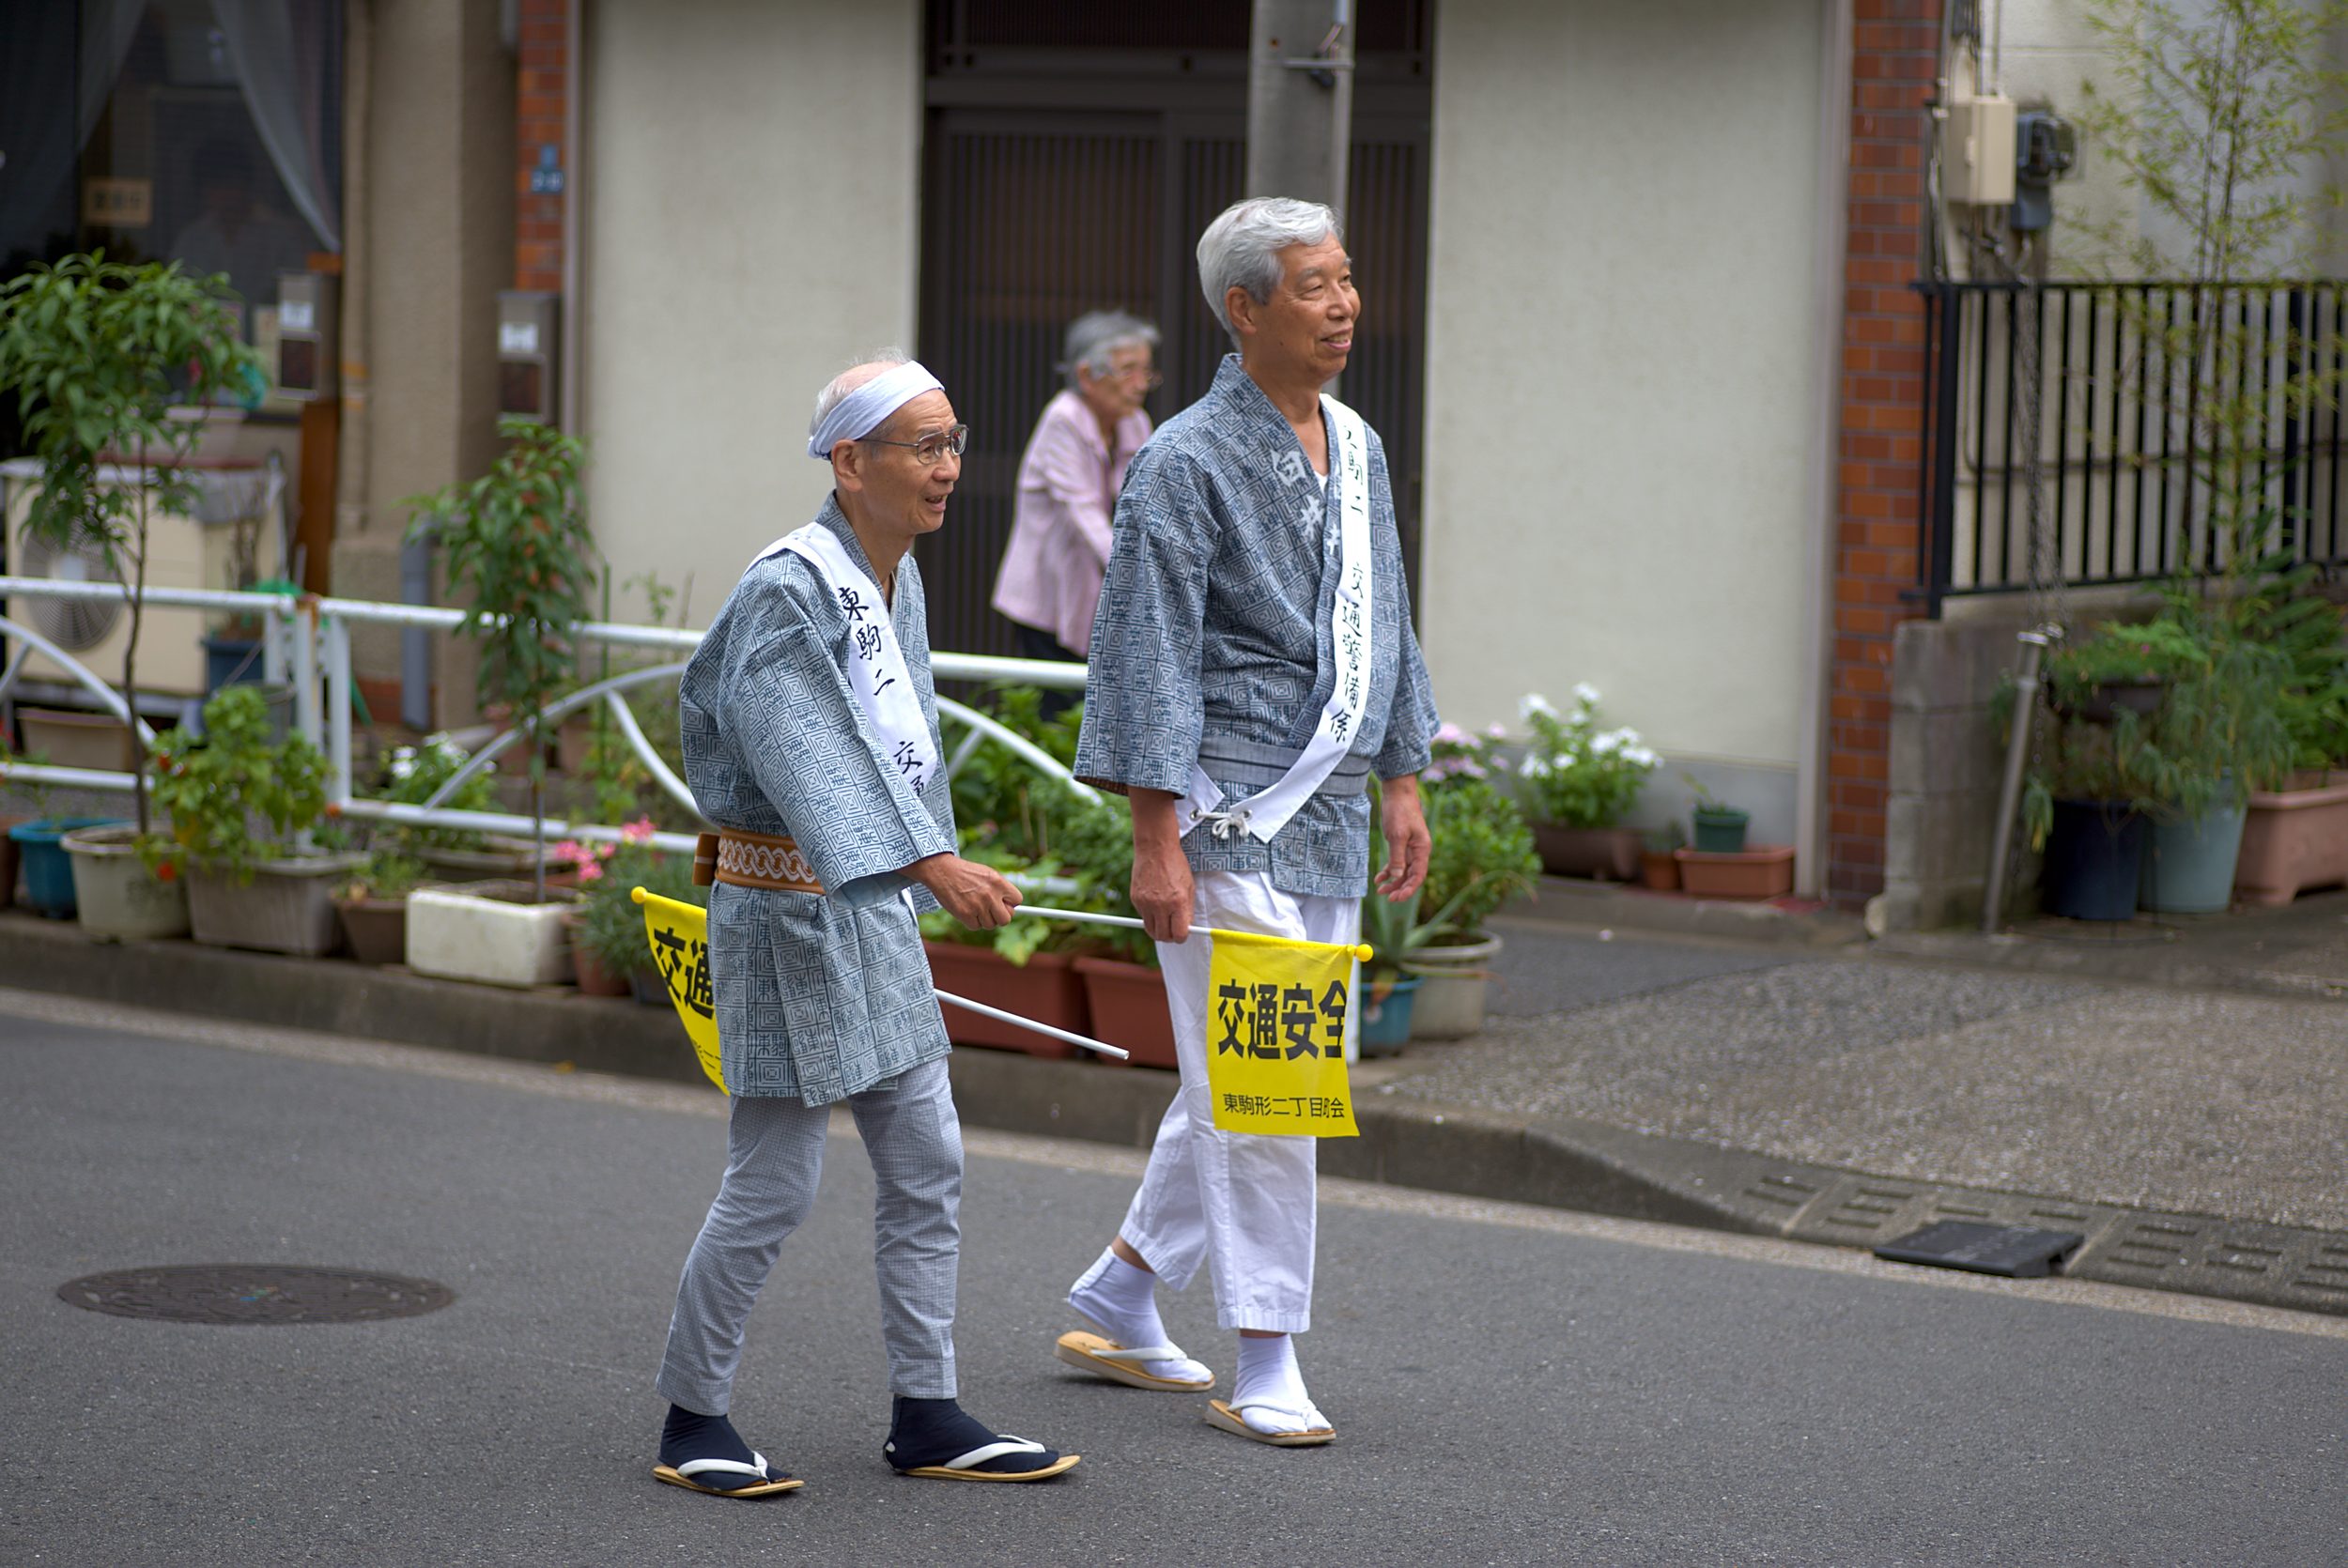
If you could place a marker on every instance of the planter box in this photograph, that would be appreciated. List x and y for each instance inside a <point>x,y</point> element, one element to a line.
<point>48,873</point>
<point>79,740</point>
<point>488,933</point>
<point>1047,990</point>
<point>119,899</point>
<point>10,861</point>
<point>1761,873</point>
<point>1450,1003</point>
<point>1127,1002</point>
<point>287,907</point>
<point>2291,840</point>
<point>1609,854</point>
<point>501,859</point>
<point>375,929</point>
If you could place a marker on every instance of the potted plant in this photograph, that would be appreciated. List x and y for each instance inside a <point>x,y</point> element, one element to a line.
<point>1720,865</point>
<point>243,804</point>
<point>1482,857</point>
<point>2295,832</point>
<point>98,354</point>
<point>372,905</point>
<point>519,551</point>
<point>412,774</point>
<point>1124,990</point>
<point>1389,993</point>
<point>607,941</point>
<point>1578,782</point>
<point>1720,828</point>
<point>122,891</point>
<point>1013,818</point>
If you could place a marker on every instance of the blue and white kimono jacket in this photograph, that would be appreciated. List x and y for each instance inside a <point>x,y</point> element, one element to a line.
<point>817,998</point>
<point>1212,640</point>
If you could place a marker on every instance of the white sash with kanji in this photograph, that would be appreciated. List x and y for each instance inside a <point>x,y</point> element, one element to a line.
<point>1265,814</point>
<point>877,665</point>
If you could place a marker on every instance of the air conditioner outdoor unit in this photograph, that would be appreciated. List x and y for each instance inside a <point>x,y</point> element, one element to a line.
<point>231,534</point>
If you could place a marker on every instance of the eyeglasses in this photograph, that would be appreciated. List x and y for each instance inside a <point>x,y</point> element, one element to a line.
<point>1143,373</point>
<point>932,448</point>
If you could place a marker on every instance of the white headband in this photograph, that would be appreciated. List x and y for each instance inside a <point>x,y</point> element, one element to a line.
<point>867,409</point>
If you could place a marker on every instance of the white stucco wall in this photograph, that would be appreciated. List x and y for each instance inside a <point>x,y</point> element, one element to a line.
<point>751,174</point>
<point>1623,412</point>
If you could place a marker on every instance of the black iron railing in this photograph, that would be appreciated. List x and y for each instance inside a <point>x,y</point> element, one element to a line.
<point>2122,375</point>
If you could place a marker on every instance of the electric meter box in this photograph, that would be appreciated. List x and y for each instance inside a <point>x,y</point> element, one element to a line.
<point>1977,151</point>
<point>308,349</point>
<point>528,326</point>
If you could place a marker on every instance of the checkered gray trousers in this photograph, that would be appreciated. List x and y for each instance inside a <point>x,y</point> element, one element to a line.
<point>774,1157</point>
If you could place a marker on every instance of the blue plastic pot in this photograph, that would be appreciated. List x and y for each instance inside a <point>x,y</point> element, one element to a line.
<point>2191,865</point>
<point>1387,1021</point>
<point>48,869</point>
<point>2094,861</point>
<point>231,661</point>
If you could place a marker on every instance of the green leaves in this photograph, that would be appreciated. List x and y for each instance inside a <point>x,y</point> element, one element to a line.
<point>238,795</point>
<point>518,549</point>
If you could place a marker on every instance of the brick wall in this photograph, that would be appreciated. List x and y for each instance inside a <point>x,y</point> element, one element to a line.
<point>539,124</point>
<point>1896,45</point>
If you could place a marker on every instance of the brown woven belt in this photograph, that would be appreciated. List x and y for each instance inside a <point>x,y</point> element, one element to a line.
<point>753,860</point>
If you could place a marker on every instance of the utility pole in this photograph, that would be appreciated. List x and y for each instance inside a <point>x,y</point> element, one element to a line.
<point>1300,99</point>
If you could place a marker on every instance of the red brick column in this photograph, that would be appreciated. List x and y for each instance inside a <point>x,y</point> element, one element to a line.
<point>539,124</point>
<point>1895,57</point>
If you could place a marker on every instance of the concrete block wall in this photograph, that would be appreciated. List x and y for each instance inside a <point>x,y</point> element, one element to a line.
<point>1945,760</point>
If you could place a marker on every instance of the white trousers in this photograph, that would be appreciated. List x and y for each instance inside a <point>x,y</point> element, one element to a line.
<point>1242,1202</point>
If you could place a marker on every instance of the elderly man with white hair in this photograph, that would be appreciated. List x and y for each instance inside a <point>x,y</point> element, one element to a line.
<point>1075,463</point>
<point>1253,666</point>
<point>810,731</point>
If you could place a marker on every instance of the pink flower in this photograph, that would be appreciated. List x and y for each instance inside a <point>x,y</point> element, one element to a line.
<point>589,871</point>
<point>638,832</point>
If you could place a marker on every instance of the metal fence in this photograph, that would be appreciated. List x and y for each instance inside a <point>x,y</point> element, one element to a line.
<point>2116,378</point>
<point>308,645</point>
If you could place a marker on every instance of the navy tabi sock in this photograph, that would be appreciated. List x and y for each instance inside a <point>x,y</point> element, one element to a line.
<point>925,1431</point>
<point>689,1435</point>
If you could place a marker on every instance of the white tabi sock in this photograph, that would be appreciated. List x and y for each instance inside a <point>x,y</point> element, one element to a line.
<point>1268,1371</point>
<point>1121,1301</point>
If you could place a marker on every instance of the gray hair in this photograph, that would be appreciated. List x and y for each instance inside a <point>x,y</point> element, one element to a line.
<point>1242,248</point>
<point>849,380</point>
<point>1094,336</point>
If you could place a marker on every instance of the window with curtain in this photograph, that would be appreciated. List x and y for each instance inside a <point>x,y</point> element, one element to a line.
<point>209,132</point>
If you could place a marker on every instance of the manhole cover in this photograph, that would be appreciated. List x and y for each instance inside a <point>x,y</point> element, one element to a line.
<point>255,1293</point>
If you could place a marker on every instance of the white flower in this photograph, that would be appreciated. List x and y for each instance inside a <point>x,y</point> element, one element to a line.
<point>1641,756</point>
<point>1536,766</point>
<point>1585,694</point>
<point>1536,703</point>
<point>1605,742</point>
<point>1497,731</point>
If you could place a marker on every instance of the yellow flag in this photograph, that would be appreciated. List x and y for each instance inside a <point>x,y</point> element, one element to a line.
<point>1278,1014</point>
<point>679,934</point>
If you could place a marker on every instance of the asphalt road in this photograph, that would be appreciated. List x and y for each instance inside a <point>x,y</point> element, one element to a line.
<point>1510,1386</point>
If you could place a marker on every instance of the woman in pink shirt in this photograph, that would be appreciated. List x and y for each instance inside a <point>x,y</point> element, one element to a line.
<point>1068,484</point>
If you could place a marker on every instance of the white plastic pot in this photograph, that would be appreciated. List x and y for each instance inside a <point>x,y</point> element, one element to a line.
<point>120,899</point>
<point>1450,1003</point>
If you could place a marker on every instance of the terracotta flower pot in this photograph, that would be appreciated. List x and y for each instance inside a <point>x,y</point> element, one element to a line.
<point>1047,989</point>
<point>2292,840</point>
<point>1756,873</point>
<point>1659,870</point>
<point>1609,854</point>
<point>593,979</point>
<point>375,929</point>
<point>1128,1006</point>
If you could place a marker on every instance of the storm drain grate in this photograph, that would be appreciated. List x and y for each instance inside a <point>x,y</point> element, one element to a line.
<point>255,1293</point>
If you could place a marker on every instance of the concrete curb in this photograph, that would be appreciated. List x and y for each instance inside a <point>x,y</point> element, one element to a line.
<point>1554,1163</point>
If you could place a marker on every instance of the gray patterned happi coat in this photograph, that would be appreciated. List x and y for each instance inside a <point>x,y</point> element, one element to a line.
<point>817,998</point>
<point>1212,640</point>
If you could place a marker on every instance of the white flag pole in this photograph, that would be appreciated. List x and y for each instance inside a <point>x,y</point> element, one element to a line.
<point>999,1015</point>
<point>1127,921</point>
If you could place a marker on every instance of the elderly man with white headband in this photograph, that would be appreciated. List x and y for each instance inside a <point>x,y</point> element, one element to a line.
<point>810,731</point>
<point>1252,666</point>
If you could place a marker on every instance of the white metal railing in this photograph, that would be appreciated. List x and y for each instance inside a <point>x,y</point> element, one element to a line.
<point>307,642</point>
